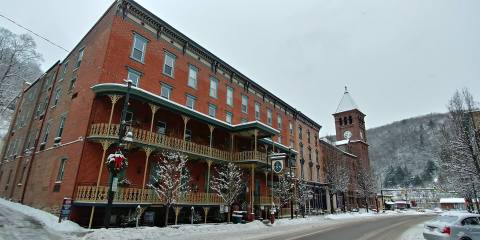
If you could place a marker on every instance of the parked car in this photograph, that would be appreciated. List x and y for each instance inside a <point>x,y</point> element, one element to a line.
<point>453,226</point>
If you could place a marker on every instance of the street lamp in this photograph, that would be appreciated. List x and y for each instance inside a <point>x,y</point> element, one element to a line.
<point>291,179</point>
<point>123,136</point>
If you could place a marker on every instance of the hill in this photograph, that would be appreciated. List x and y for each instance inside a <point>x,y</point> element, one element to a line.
<point>406,152</point>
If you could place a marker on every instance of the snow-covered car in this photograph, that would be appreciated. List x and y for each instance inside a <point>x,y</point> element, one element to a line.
<point>437,210</point>
<point>453,226</point>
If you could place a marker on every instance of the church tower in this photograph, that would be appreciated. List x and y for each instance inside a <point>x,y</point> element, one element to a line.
<point>350,127</point>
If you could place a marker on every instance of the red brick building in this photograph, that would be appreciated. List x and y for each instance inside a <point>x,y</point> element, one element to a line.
<point>184,99</point>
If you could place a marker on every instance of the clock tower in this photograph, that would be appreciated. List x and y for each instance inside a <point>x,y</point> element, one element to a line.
<point>350,127</point>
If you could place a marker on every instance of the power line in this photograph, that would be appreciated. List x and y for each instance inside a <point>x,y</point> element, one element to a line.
<point>36,34</point>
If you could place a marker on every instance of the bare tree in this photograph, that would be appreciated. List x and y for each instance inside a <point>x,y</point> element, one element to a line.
<point>459,155</point>
<point>302,194</point>
<point>227,183</point>
<point>171,179</point>
<point>366,185</point>
<point>283,190</point>
<point>336,174</point>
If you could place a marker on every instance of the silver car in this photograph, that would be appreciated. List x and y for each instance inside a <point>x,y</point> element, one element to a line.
<point>454,226</point>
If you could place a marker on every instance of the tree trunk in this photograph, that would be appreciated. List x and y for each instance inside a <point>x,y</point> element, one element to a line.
<point>366,203</point>
<point>344,203</point>
<point>167,207</point>
<point>331,203</point>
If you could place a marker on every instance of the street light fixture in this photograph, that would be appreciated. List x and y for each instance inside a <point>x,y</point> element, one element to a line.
<point>123,136</point>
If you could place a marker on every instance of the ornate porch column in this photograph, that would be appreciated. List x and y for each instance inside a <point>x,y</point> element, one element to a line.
<point>114,99</point>
<point>211,127</point>
<point>148,151</point>
<point>255,134</point>
<point>154,109</point>
<point>253,187</point>
<point>209,162</point>
<point>105,145</point>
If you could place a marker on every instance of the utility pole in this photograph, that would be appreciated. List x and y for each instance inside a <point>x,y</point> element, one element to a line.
<point>122,136</point>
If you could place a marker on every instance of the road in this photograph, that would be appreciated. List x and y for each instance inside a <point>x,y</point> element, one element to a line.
<point>14,225</point>
<point>380,228</point>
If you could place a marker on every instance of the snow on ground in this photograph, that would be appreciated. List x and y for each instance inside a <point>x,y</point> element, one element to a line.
<point>200,231</point>
<point>414,233</point>
<point>50,221</point>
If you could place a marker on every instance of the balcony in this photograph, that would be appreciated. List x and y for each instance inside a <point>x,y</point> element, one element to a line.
<point>152,139</point>
<point>86,194</point>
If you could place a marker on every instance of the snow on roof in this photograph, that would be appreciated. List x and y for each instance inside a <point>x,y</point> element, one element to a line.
<point>341,142</point>
<point>346,103</point>
<point>452,200</point>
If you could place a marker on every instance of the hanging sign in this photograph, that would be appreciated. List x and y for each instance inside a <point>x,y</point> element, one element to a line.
<point>277,166</point>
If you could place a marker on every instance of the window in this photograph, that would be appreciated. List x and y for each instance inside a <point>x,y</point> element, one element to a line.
<point>64,70</point>
<point>257,111</point>
<point>279,122</point>
<point>192,76</point>
<point>350,120</point>
<point>229,96</point>
<point>269,117</point>
<point>61,170</point>
<point>165,91</point>
<point>190,101</point>
<point>72,84</point>
<point>61,126</point>
<point>134,76</point>
<point>161,128</point>
<point>138,48</point>
<point>169,64</point>
<point>229,117</point>
<point>291,143</point>
<point>308,136</point>
<point>212,110</point>
<point>47,131</point>
<point>79,58</point>
<point>290,128</point>
<point>57,96</point>
<point>244,103</point>
<point>300,132</point>
<point>188,135</point>
<point>243,120</point>
<point>279,139</point>
<point>213,87</point>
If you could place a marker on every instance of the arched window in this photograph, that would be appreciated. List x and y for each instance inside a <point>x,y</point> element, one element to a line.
<point>344,120</point>
<point>350,120</point>
<point>340,121</point>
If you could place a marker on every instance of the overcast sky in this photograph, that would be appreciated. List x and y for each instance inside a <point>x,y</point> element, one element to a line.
<point>399,58</point>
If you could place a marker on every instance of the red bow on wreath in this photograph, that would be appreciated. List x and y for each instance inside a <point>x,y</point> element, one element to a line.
<point>117,161</point>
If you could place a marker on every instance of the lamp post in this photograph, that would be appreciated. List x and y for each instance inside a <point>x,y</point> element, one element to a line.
<point>291,179</point>
<point>123,136</point>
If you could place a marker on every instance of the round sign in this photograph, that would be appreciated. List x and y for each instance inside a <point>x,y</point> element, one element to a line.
<point>277,166</point>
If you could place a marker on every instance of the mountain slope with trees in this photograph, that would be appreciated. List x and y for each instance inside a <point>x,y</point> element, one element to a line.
<point>406,152</point>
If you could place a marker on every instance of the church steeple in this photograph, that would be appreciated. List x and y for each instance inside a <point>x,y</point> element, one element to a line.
<point>346,103</point>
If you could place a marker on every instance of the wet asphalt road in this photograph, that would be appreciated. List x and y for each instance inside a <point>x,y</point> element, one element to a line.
<point>382,228</point>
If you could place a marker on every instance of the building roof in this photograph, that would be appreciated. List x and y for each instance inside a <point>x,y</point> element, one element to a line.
<point>346,103</point>
<point>452,200</point>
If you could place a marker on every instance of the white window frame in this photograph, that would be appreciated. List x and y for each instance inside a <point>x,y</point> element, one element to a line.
<point>138,37</point>
<point>214,112</point>
<point>269,117</point>
<point>190,97</point>
<point>57,96</point>
<point>132,72</point>
<point>61,170</point>
<point>165,86</point>
<point>168,55</point>
<point>81,52</point>
<point>229,117</point>
<point>192,80</point>
<point>257,111</point>
<point>61,126</point>
<point>229,96</point>
<point>213,90</point>
<point>244,103</point>
<point>279,121</point>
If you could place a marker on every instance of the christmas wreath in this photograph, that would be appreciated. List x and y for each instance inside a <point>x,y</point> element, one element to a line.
<point>117,161</point>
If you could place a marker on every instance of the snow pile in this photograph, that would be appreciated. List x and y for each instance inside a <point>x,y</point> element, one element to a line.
<point>414,233</point>
<point>50,221</point>
<point>200,231</point>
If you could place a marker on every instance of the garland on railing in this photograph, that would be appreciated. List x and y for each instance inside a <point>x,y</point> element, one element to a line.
<point>117,161</point>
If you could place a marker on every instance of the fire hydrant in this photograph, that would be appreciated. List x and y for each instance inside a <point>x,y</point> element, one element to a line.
<point>272,215</point>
